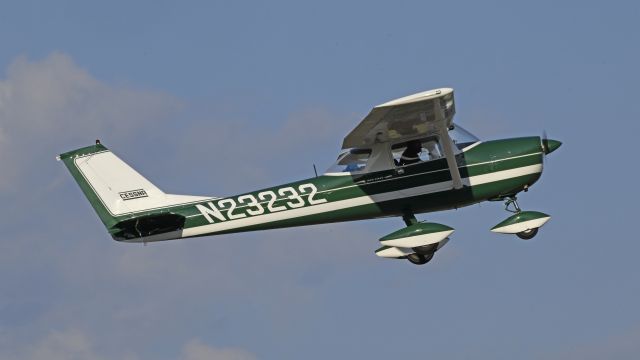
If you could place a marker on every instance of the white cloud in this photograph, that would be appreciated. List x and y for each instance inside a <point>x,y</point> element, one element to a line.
<point>625,345</point>
<point>70,344</point>
<point>82,280</point>
<point>243,156</point>
<point>197,350</point>
<point>49,105</point>
<point>67,345</point>
<point>73,344</point>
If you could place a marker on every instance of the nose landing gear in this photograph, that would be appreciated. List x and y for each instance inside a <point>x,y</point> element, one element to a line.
<point>524,224</point>
<point>511,205</point>
<point>527,234</point>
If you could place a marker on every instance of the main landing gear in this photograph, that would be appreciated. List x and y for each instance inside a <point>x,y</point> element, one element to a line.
<point>419,259</point>
<point>417,242</point>
<point>424,253</point>
<point>524,224</point>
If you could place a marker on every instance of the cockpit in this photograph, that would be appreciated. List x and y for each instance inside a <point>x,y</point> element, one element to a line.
<point>389,155</point>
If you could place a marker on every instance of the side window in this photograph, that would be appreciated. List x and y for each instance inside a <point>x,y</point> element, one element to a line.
<point>351,160</point>
<point>416,151</point>
<point>432,149</point>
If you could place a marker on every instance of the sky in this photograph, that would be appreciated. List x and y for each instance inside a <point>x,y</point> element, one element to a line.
<point>222,97</point>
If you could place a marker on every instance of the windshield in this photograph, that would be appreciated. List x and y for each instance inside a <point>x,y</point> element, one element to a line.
<point>461,137</point>
<point>350,160</point>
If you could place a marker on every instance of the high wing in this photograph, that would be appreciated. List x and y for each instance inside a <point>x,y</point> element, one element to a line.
<point>410,117</point>
<point>407,117</point>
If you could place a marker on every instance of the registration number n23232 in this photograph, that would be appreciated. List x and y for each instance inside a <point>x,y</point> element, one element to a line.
<point>266,201</point>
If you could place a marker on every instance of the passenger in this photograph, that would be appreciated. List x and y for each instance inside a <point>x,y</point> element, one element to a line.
<point>433,151</point>
<point>411,153</point>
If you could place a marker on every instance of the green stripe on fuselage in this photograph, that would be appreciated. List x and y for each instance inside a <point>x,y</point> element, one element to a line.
<point>485,158</point>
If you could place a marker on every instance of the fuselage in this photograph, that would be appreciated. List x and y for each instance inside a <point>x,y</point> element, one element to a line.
<point>489,170</point>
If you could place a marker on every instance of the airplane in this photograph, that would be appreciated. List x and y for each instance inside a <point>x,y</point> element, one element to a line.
<point>406,157</point>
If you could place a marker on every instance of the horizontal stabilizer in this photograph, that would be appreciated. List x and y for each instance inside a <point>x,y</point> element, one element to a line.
<point>148,226</point>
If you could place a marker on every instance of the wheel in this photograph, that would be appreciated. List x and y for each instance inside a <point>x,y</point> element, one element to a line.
<point>419,259</point>
<point>527,234</point>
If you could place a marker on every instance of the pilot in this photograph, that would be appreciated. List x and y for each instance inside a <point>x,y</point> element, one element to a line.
<point>411,153</point>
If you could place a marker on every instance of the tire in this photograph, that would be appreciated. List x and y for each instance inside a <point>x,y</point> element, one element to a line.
<point>527,234</point>
<point>418,259</point>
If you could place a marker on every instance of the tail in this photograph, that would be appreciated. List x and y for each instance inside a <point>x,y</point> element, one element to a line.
<point>130,206</point>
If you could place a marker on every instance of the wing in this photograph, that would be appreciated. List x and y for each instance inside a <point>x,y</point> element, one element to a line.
<point>418,115</point>
<point>408,117</point>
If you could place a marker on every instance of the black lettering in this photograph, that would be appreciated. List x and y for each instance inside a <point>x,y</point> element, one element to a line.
<point>133,194</point>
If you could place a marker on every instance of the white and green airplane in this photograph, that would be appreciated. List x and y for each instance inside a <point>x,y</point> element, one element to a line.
<point>406,157</point>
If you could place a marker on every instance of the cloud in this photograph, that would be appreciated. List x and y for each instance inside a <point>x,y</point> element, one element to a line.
<point>620,346</point>
<point>70,344</point>
<point>67,345</point>
<point>73,344</point>
<point>241,156</point>
<point>48,104</point>
<point>65,272</point>
<point>197,350</point>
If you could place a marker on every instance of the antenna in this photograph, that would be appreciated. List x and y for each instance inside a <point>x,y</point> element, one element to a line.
<point>315,170</point>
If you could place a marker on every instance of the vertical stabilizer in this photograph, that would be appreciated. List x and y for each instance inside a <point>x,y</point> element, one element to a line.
<point>117,192</point>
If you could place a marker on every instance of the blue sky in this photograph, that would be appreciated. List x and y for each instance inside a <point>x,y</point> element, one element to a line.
<point>216,98</point>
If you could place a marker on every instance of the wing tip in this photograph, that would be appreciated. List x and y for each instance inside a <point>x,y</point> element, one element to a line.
<point>421,96</point>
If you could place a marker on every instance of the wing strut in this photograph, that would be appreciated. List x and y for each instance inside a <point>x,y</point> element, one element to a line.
<point>447,145</point>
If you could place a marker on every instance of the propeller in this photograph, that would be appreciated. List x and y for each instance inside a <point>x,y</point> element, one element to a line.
<point>544,143</point>
<point>548,146</point>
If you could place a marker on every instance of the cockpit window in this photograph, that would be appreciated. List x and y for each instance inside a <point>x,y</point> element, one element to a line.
<point>351,160</point>
<point>461,137</point>
<point>415,151</point>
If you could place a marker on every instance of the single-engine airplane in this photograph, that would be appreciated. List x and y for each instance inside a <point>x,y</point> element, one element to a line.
<point>405,157</point>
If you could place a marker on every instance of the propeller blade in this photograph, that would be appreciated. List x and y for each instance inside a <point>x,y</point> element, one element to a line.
<point>545,142</point>
<point>548,146</point>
